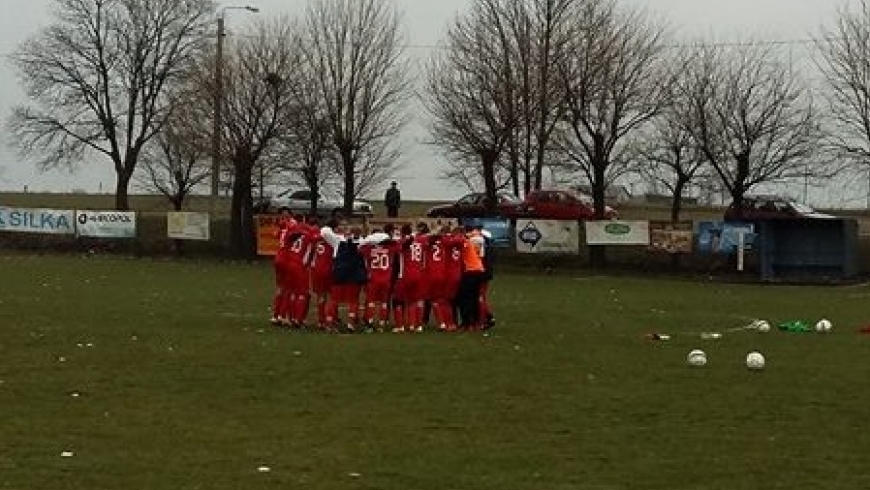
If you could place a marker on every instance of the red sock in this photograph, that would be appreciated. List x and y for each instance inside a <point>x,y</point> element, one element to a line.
<point>384,312</point>
<point>300,308</point>
<point>371,312</point>
<point>438,312</point>
<point>286,302</point>
<point>331,311</point>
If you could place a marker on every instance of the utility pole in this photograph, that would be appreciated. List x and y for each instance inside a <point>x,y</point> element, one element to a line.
<point>219,103</point>
<point>218,113</point>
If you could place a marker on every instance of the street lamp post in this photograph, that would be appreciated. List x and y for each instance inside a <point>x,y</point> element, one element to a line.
<point>218,102</point>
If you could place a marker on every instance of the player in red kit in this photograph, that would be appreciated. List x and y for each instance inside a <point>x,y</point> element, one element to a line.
<point>409,293</point>
<point>281,300</point>
<point>378,254</point>
<point>301,236</point>
<point>443,270</point>
<point>321,277</point>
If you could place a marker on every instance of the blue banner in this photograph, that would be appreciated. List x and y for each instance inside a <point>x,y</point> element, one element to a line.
<point>723,238</point>
<point>27,220</point>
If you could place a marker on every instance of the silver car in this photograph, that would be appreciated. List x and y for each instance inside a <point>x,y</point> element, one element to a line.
<point>300,202</point>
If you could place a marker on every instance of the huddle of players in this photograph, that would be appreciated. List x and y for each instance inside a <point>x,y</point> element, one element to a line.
<point>404,277</point>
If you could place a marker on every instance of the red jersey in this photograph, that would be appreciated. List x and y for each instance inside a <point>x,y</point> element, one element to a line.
<point>438,256</point>
<point>453,264</point>
<point>283,235</point>
<point>298,241</point>
<point>379,262</point>
<point>412,265</point>
<point>321,265</point>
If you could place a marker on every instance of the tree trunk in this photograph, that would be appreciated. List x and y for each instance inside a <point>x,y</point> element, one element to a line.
<point>242,236</point>
<point>515,166</point>
<point>488,160</point>
<point>349,183</point>
<point>598,253</point>
<point>677,203</point>
<point>122,196</point>
<point>315,193</point>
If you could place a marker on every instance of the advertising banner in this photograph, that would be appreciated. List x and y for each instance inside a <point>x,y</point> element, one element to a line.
<point>500,228</point>
<point>617,232</point>
<point>548,236</point>
<point>106,224</point>
<point>723,238</point>
<point>670,237</point>
<point>187,226</point>
<point>26,220</point>
<point>266,226</point>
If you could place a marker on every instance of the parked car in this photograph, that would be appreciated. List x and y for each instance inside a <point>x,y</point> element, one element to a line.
<point>300,202</point>
<point>561,204</point>
<point>474,206</point>
<point>761,208</point>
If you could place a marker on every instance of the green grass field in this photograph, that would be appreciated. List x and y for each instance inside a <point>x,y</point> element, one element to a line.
<point>182,385</point>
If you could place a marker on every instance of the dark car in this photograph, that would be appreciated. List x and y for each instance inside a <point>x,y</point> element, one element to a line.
<point>762,208</point>
<point>474,205</point>
<point>559,204</point>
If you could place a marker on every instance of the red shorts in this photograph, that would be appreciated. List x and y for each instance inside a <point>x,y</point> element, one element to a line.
<point>345,293</point>
<point>321,284</point>
<point>409,290</point>
<point>296,280</point>
<point>377,292</point>
<point>442,290</point>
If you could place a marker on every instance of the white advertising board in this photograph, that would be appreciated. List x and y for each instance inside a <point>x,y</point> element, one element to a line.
<point>617,232</point>
<point>106,224</point>
<point>547,236</point>
<point>187,226</point>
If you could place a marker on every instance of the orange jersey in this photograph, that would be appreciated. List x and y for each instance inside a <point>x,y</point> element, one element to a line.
<point>471,258</point>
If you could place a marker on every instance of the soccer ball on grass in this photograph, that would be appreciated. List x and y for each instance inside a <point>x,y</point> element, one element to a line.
<point>755,361</point>
<point>761,325</point>
<point>824,326</point>
<point>697,358</point>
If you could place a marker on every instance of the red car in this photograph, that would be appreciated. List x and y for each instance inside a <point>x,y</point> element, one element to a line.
<point>561,205</point>
<point>762,208</point>
<point>474,206</point>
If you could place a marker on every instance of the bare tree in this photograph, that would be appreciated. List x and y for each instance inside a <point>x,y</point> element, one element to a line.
<point>844,60</point>
<point>670,158</point>
<point>537,34</point>
<point>614,83</point>
<point>668,153</point>
<point>97,77</point>
<point>307,152</point>
<point>469,94</point>
<point>355,51</point>
<point>176,160</point>
<point>468,173</point>
<point>256,101</point>
<point>512,47</point>
<point>752,116</point>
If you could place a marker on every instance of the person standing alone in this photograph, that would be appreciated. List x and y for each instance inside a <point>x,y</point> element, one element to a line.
<point>392,200</point>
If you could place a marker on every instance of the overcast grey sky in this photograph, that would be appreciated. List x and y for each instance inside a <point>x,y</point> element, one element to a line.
<point>425,21</point>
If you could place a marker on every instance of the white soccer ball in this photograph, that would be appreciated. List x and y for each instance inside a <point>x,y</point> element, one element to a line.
<point>824,326</point>
<point>755,361</point>
<point>762,326</point>
<point>696,357</point>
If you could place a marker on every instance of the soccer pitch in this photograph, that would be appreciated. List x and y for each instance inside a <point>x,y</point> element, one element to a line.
<point>123,373</point>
